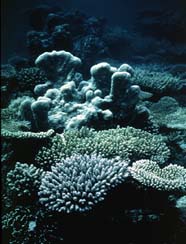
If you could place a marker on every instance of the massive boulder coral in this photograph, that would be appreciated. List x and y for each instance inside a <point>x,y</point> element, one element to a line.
<point>121,143</point>
<point>66,102</point>
<point>169,178</point>
<point>77,183</point>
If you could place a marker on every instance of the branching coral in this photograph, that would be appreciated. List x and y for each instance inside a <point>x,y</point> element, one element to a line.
<point>27,78</point>
<point>156,79</point>
<point>15,225</point>
<point>77,183</point>
<point>170,178</point>
<point>29,225</point>
<point>23,180</point>
<point>167,113</point>
<point>125,143</point>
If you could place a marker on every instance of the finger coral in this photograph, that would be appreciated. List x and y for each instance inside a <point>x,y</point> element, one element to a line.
<point>108,97</point>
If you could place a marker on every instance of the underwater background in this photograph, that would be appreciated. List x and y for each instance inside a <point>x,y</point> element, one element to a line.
<point>93,121</point>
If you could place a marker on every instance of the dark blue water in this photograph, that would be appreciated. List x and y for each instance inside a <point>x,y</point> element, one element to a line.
<point>93,121</point>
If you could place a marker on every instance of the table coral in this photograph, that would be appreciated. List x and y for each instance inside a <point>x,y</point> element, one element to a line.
<point>169,178</point>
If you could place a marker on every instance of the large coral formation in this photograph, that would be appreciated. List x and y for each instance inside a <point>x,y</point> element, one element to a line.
<point>71,168</point>
<point>72,31</point>
<point>169,178</point>
<point>77,183</point>
<point>124,143</point>
<point>108,96</point>
<point>58,66</point>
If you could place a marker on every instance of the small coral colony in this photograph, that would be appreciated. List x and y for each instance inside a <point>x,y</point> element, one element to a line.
<point>88,138</point>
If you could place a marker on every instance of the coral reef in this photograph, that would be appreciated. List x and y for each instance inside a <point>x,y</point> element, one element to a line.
<point>108,96</point>
<point>30,225</point>
<point>97,135</point>
<point>14,128</point>
<point>23,180</point>
<point>169,178</point>
<point>8,74</point>
<point>72,31</point>
<point>16,224</point>
<point>167,113</point>
<point>181,206</point>
<point>123,143</point>
<point>28,78</point>
<point>77,183</point>
<point>158,80</point>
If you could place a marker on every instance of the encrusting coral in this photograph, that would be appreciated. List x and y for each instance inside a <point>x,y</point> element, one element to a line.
<point>77,183</point>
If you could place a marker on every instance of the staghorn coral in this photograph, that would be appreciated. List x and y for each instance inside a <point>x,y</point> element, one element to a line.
<point>77,183</point>
<point>125,143</point>
<point>170,178</point>
<point>23,180</point>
